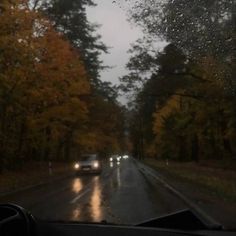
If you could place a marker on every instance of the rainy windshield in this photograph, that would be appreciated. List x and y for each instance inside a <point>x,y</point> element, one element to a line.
<point>148,86</point>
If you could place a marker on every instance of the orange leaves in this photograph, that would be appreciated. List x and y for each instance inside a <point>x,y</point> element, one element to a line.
<point>59,67</point>
<point>44,88</point>
<point>172,104</point>
<point>41,79</point>
<point>106,123</point>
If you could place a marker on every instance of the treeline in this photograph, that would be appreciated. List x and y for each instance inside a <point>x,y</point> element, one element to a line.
<point>184,97</point>
<point>53,105</point>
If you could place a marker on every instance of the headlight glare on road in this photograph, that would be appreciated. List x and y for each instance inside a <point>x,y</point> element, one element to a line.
<point>96,164</point>
<point>76,166</point>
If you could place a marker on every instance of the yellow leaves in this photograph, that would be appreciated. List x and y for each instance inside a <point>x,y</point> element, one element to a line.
<point>43,73</point>
<point>73,111</point>
<point>202,119</point>
<point>104,127</point>
<point>49,87</point>
<point>60,66</point>
<point>89,141</point>
<point>16,19</point>
<point>172,104</point>
<point>79,88</point>
<point>97,141</point>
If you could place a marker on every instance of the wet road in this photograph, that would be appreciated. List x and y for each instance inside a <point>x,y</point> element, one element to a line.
<point>121,194</point>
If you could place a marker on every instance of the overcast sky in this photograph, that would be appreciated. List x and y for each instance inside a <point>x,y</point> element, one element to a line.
<point>117,33</point>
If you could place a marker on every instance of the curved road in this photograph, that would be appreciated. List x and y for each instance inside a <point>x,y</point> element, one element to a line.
<point>121,194</point>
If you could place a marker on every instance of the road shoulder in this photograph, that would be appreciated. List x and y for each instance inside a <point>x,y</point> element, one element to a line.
<point>218,208</point>
<point>32,176</point>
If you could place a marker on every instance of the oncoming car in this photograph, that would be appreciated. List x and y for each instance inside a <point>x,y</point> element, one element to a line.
<point>115,158</point>
<point>88,163</point>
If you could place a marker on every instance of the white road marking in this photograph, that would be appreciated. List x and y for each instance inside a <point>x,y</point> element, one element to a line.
<point>74,200</point>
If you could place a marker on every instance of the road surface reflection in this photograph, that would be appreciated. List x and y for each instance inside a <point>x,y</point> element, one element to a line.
<point>76,214</point>
<point>96,211</point>
<point>118,178</point>
<point>77,185</point>
<point>88,200</point>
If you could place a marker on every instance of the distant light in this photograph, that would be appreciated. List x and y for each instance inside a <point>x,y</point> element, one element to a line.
<point>111,159</point>
<point>76,166</point>
<point>125,157</point>
<point>96,164</point>
<point>118,163</point>
<point>111,164</point>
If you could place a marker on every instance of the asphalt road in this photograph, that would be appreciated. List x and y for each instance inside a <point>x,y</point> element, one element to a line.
<point>121,194</point>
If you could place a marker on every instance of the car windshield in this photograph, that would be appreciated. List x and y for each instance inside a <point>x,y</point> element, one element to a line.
<point>89,158</point>
<point>146,87</point>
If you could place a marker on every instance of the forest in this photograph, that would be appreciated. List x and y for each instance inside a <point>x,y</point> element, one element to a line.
<point>53,104</point>
<point>183,104</point>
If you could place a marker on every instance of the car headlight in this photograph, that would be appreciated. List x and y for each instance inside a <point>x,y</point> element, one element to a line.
<point>96,164</point>
<point>111,159</point>
<point>76,166</point>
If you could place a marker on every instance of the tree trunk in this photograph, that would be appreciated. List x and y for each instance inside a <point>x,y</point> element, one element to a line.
<point>59,155</point>
<point>2,138</point>
<point>182,149</point>
<point>67,150</point>
<point>227,146</point>
<point>195,148</point>
<point>47,144</point>
<point>19,148</point>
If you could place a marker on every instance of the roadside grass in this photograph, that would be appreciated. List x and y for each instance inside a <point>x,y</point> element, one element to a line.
<point>31,174</point>
<point>217,181</point>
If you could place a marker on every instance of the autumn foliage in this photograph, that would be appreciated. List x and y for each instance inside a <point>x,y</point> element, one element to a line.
<point>46,110</point>
<point>184,109</point>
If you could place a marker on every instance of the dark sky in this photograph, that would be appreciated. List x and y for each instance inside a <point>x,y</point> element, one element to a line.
<point>117,33</point>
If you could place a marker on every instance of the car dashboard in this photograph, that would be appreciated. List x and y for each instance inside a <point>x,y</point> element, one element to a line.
<point>16,221</point>
<point>65,229</point>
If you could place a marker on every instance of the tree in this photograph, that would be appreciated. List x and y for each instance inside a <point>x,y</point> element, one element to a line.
<point>49,109</point>
<point>196,67</point>
<point>198,27</point>
<point>69,17</point>
<point>42,78</point>
<point>195,126</point>
<point>15,32</point>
